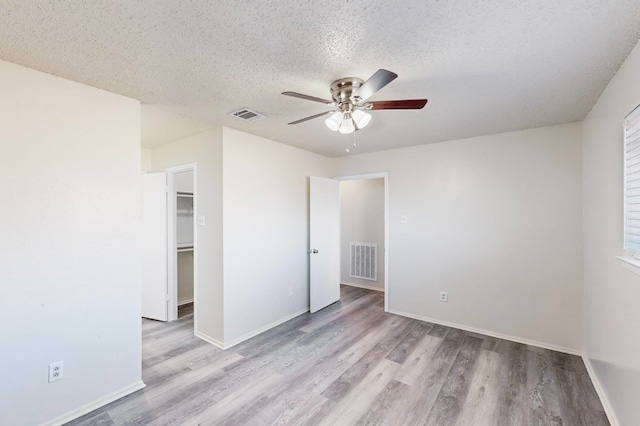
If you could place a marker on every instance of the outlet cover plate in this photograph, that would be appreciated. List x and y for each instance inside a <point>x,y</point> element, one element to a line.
<point>56,371</point>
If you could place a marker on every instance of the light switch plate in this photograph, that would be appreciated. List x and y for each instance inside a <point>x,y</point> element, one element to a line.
<point>403,219</point>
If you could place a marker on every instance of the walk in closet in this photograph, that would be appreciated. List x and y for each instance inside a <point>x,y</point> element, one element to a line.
<point>184,236</point>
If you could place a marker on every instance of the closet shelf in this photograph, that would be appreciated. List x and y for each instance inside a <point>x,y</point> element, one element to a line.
<point>185,194</point>
<point>182,247</point>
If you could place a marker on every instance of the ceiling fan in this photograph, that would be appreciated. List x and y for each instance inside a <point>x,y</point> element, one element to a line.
<point>350,101</point>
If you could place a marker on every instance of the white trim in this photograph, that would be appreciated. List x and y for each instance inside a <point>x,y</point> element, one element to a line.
<point>184,302</point>
<point>260,330</point>
<point>236,341</point>
<point>385,177</point>
<point>93,405</point>
<point>375,175</point>
<point>630,263</point>
<point>600,391</point>
<point>182,168</point>
<point>215,342</point>
<point>368,287</point>
<point>195,244</point>
<point>491,333</point>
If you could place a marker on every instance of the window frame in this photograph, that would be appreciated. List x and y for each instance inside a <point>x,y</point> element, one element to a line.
<point>631,135</point>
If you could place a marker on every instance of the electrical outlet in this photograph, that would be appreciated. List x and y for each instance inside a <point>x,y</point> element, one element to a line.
<point>56,371</point>
<point>444,296</point>
<point>290,291</point>
<point>404,219</point>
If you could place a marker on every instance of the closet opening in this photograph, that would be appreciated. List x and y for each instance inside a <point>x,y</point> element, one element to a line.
<point>181,241</point>
<point>169,204</point>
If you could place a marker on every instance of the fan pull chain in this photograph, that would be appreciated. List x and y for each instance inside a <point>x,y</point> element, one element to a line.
<point>353,142</point>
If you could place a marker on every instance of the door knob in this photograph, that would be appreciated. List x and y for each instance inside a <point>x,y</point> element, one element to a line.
<point>314,251</point>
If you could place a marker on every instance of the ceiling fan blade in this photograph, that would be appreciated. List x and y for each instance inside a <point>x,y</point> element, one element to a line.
<point>312,117</point>
<point>307,97</point>
<point>376,82</point>
<point>406,104</point>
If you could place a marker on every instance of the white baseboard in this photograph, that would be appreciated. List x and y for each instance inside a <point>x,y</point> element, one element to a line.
<point>368,287</point>
<point>238,340</point>
<point>600,391</point>
<point>491,333</point>
<point>265,328</point>
<point>184,302</point>
<point>100,402</point>
<point>215,342</point>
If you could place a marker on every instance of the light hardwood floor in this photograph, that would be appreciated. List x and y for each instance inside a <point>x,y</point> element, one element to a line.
<point>353,364</point>
<point>185,310</point>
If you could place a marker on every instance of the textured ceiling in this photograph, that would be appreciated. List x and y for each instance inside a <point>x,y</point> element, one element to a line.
<point>486,67</point>
<point>160,127</point>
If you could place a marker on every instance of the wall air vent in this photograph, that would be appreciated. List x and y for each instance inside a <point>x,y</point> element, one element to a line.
<point>364,261</point>
<point>246,114</point>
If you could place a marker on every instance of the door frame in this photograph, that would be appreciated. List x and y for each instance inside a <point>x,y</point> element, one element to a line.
<point>172,244</point>
<point>385,177</point>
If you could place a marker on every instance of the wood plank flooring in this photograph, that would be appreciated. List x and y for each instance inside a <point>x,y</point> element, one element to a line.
<point>352,364</point>
<point>185,310</point>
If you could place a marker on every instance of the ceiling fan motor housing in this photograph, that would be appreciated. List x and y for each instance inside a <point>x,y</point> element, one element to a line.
<point>342,90</point>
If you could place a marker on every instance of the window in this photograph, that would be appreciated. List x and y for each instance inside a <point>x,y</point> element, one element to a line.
<point>632,181</point>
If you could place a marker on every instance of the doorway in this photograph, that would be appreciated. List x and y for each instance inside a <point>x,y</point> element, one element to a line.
<point>325,240</point>
<point>169,241</point>
<point>364,232</point>
<point>182,241</point>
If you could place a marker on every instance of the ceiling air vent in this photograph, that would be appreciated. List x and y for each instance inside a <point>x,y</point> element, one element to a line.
<point>246,114</point>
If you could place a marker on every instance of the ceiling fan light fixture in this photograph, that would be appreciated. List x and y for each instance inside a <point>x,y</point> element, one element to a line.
<point>361,118</point>
<point>347,126</point>
<point>334,121</point>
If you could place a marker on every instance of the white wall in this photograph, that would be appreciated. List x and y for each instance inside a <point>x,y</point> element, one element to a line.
<point>185,276</point>
<point>612,293</point>
<point>493,220</point>
<point>266,230</point>
<point>145,160</point>
<point>361,221</point>
<point>69,251</point>
<point>205,149</point>
<point>183,181</point>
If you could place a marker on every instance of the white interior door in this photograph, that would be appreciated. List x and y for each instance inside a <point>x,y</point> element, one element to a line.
<point>154,246</point>
<point>324,240</point>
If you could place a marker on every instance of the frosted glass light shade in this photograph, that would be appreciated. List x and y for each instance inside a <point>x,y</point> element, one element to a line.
<point>347,126</point>
<point>334,121</point>
<point>361,118</point>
